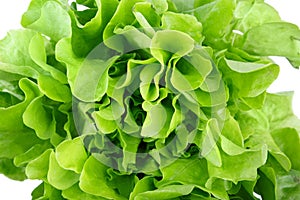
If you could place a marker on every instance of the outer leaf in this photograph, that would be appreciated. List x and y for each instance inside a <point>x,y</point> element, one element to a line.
<point>263,136</point>
<point>289,186</point>
<point>39,56</point>
<point>93,180</point>
<point>122,16</point>
<point>123,183</point>
<point>71,154</point>
<point>15,137</point>
<point>16,53</point>
<point>275,183</point>
<point>12,116</point>
<point>75,193</point>
<point>8,168</point>
<point>31,154</point>
<point>288,140</point>
<point>183,22</point>
<point>17,71</point>
<point>38,168</point>
<point>258,40</point>
<point>191,171</point>
<point>236,168</point>
<point>14,143</point>
<point>185,171</point>
<point>46,191</point>
<point>143,185</point>
<point>85,36</point>
<point>81,85</point>
<point>37,117</point>
<point>54,89</point>
<point>59,177</point>
<point>276,116</point>
<point>167,192</point>
<point>93,87</point>
<point>254,14</point>
<point>220,11</point>
<point>250,79</point>
<point>49,18</point>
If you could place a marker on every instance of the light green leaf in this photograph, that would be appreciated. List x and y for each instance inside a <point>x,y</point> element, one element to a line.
<point>143,185</point>
<point>164,48</point>
<point>59,177</point>
<point>276,116</point>
<point>237,168</point>
<point>8,169</point>
<point>38,168</point>
<point>190,72</point>
<point>215,18</point>
<point>259,41</point>
<point>150,76</point>
<point>262,136</point>
<point>49,18</point>
<point>39,56</point>
<point>75,193</point>
<point>231,130</point>
<point>103,124</point>
<point>71,154</point>
<point>122,17</point>
<point>15,137</point>
<point>25,71</point>
<point>130,146</point>
<point>46,191</point>
<point>134,38</point>
<point>39,118</point>
<point>65,54</point>
<point>154,126</point>
<point>160,6</point>
<point>54,89</point>
<point>93,180</point>
<point>185,171</point>
<point>86,28</point>
<point>288,185</point>
<point>209,146</point>
<point>92,87</point>
<point>86,88</point>
<point>249,79</point>
<point>184,23</point>
<point>167,192</point>
<point>288,140</point>
<point>254,14</point>
<point>14,51</point>
<point>31,154</point>
<point>275,183</point>
<point>147,17</point>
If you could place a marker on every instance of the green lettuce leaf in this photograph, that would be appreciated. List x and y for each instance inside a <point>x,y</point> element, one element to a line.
<point>149,99</point>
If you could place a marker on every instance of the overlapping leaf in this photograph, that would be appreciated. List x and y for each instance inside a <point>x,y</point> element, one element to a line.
<point>149,99</point>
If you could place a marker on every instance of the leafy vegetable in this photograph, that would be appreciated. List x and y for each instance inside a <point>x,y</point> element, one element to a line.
<point>149,99</point>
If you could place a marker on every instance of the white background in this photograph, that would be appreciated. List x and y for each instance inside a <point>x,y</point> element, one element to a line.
<point>288,80</point>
